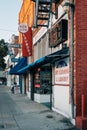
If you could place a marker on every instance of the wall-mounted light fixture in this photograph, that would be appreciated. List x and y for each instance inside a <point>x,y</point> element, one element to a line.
<point>66,5</point>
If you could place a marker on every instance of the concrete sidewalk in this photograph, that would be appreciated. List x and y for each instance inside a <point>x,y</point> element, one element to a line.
<point>17,112</point>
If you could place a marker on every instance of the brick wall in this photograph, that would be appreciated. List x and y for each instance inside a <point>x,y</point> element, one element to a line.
<point>81,57</point>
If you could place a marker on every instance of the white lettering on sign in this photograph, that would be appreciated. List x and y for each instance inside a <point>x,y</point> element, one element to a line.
<point>27,45</point>
<point>14,45</point>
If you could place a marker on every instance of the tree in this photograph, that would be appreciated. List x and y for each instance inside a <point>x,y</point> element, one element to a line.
<point>3,53</point>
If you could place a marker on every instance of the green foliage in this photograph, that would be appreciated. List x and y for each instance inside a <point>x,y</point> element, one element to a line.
<point>3,53</point>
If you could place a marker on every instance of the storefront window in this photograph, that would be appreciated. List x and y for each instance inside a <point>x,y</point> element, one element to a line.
<point>42,83</point>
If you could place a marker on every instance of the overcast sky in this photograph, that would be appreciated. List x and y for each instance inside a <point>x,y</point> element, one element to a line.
<point>9,10</point>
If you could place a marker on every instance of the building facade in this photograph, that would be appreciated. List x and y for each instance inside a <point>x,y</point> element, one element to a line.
<point>56,70</point>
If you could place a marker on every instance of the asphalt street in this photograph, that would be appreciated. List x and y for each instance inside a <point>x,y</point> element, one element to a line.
<point>17,112</point>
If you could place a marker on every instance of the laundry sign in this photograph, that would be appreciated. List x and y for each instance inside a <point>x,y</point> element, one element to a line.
<point>61,73</point>
<point>26,40</point>
<point>23,28</point>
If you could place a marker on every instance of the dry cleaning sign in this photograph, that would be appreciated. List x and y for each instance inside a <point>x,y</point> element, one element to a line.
<point>62,73</point>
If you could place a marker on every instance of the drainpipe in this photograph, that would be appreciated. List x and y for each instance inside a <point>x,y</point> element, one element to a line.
<point>51,87</point>
<point>69,6</point>
<point>72,55</point>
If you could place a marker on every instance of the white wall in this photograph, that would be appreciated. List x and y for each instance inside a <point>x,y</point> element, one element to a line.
<point>61,99</point>
<point>61,89</point>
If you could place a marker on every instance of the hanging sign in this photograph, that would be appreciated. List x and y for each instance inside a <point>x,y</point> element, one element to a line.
<point>14,45</point>
<point>23,28</point>
<point>26,40</point>
<point>10,52</point>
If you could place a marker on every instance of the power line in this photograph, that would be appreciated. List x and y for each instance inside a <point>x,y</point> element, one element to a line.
<point>7,30</point>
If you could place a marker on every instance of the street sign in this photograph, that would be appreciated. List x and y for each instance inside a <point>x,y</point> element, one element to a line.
<point>15,45</point>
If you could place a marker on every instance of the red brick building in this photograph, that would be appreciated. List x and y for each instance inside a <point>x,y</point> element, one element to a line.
<point>80,59</point>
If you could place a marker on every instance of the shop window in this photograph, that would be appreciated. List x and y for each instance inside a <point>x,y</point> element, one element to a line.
<point>58,33</point>
<point>42,81</point>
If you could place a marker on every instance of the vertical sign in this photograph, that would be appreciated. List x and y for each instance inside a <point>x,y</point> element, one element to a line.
<point>13,59</point>
<point>26,40</point>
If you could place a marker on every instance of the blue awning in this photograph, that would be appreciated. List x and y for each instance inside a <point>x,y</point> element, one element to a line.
<point>45,60</point>
<point>24,69</point>
<point>35,64</point>
<point>21,64</point>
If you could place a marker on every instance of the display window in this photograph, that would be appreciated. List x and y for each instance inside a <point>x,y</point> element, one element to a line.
<point>42,81</point>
